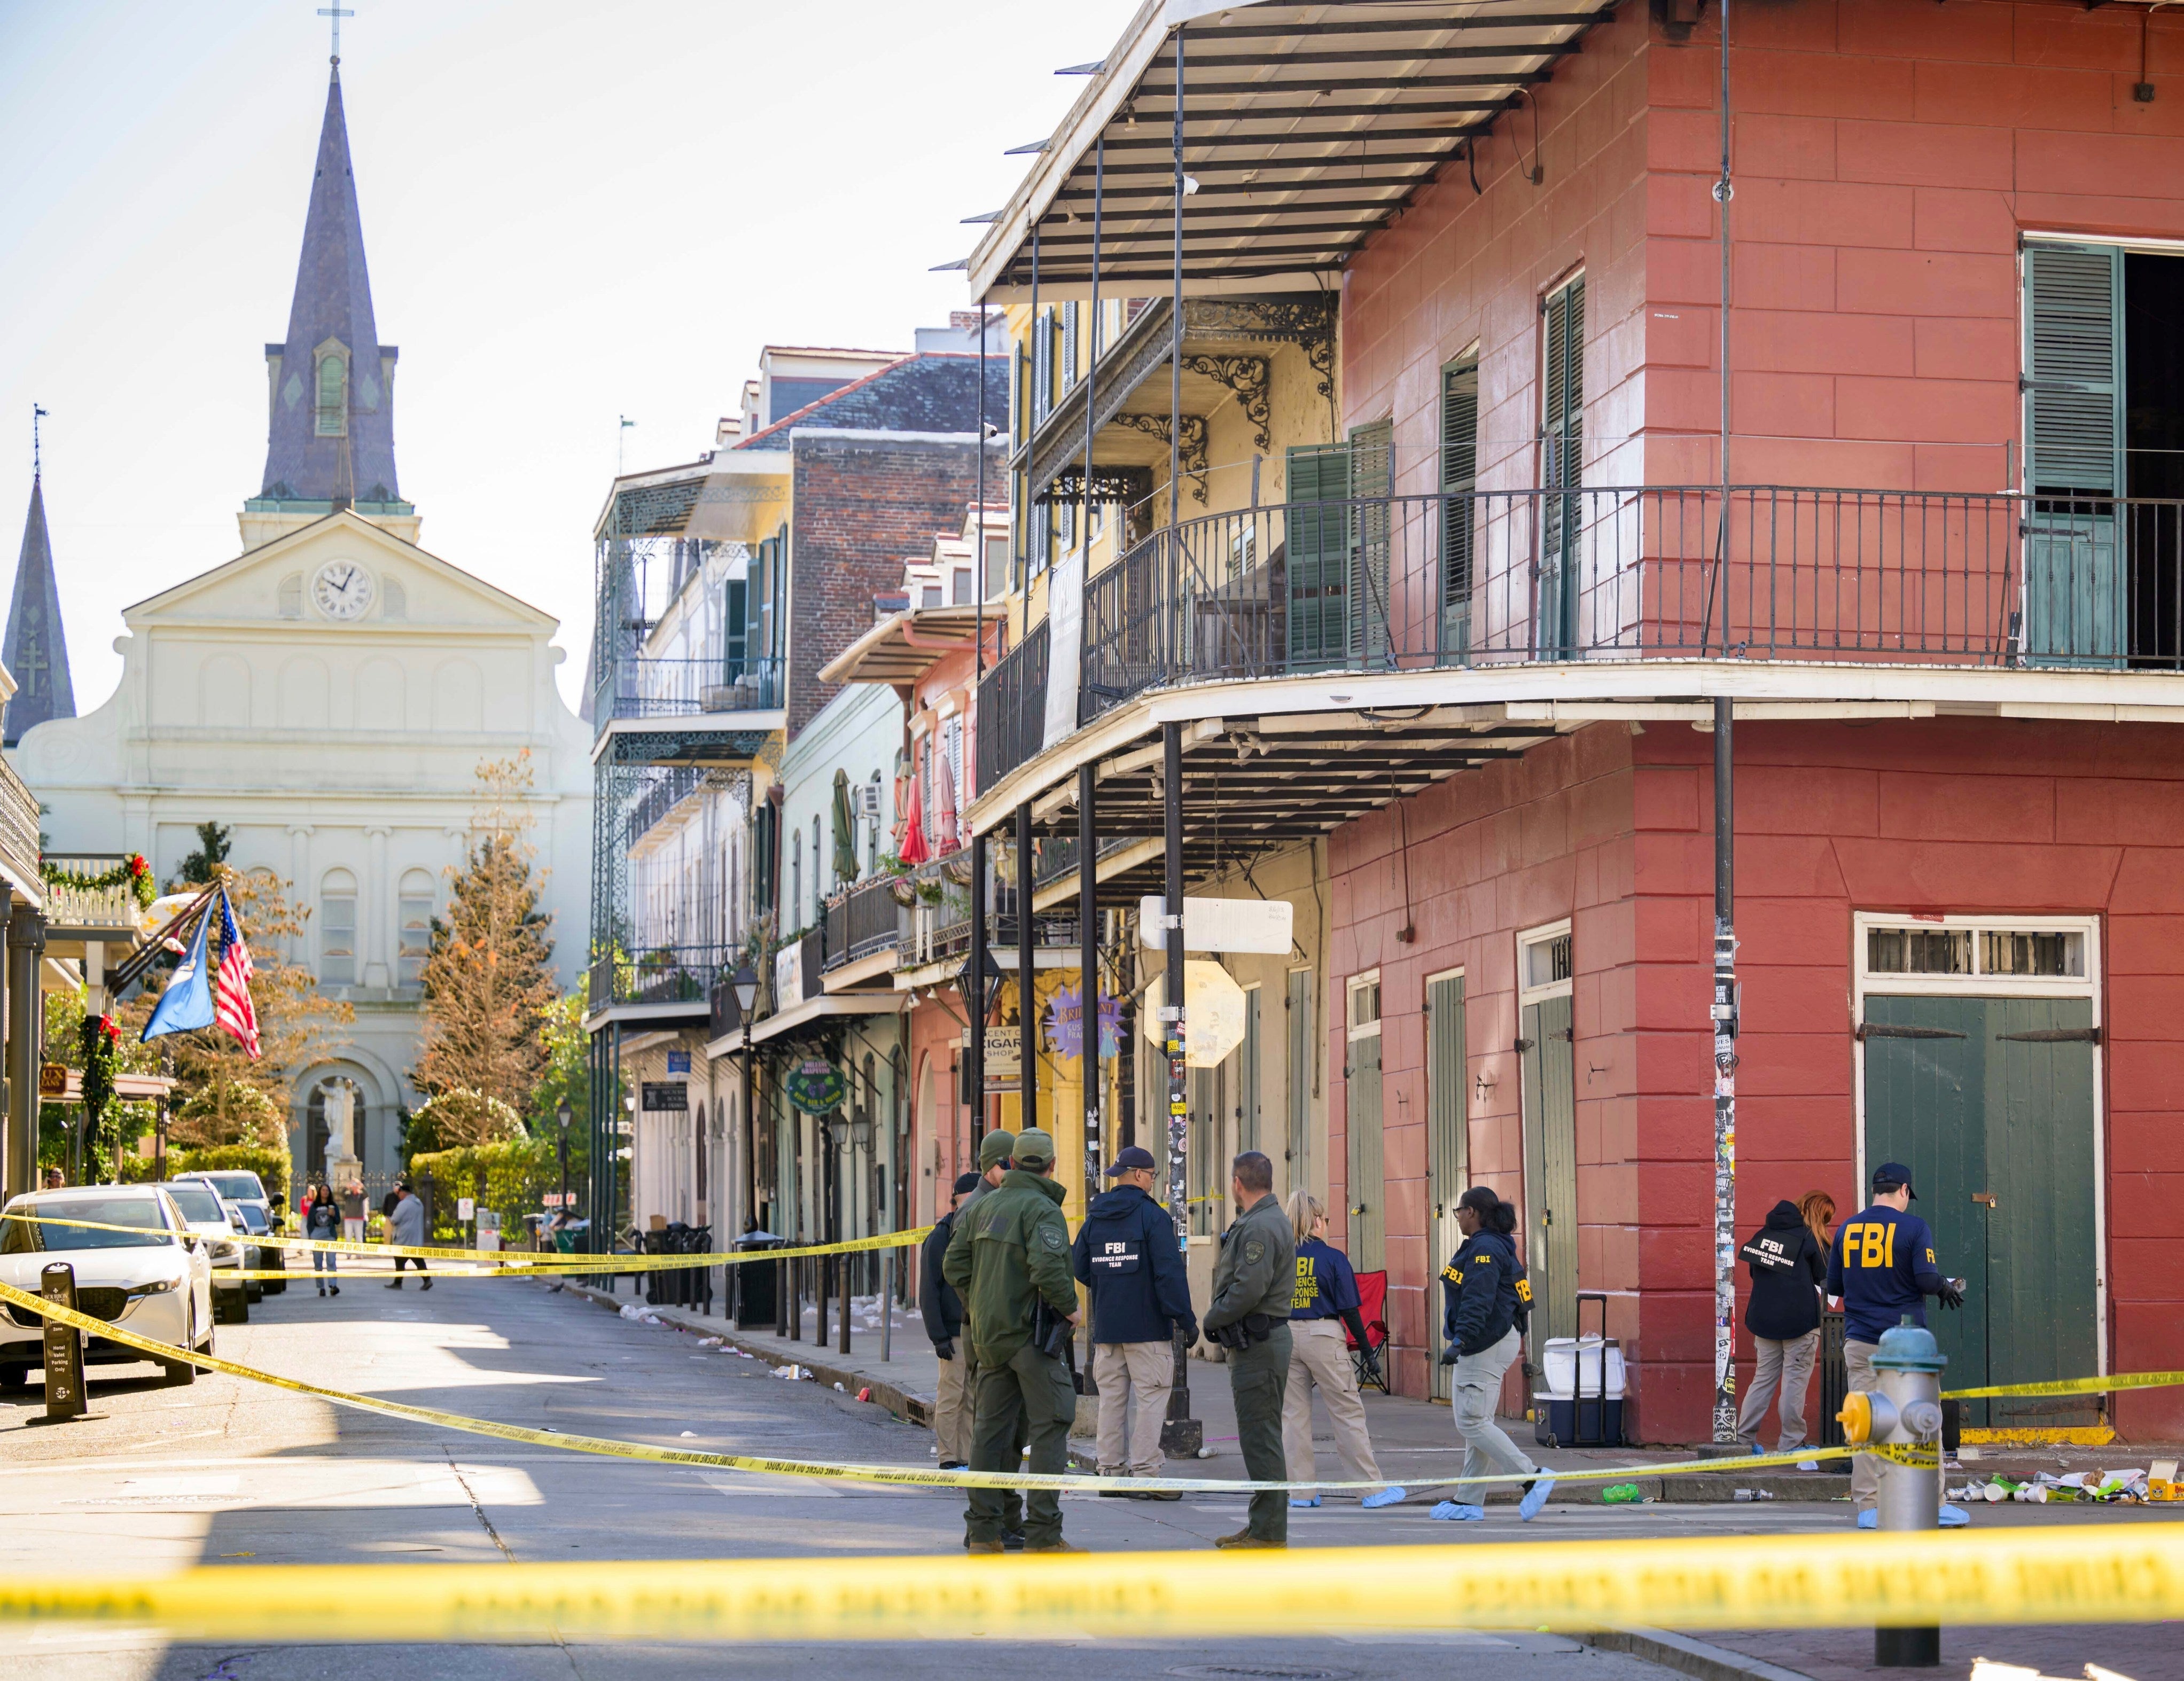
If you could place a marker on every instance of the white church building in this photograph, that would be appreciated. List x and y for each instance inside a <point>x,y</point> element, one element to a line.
<point>329,695</point>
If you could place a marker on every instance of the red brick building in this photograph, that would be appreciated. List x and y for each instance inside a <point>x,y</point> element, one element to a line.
<point>1944,593</point>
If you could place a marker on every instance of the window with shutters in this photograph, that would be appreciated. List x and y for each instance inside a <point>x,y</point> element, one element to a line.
<point>1069,314</point>
<point>1459,480</point>
<point>1561,465</point>
<point>1319,553</point>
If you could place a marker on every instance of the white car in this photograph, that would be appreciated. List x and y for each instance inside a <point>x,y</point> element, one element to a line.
<point>224,1246</point>
<point>155,1279</point>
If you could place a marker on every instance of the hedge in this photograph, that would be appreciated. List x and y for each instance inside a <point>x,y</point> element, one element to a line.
<point>510,1176</point>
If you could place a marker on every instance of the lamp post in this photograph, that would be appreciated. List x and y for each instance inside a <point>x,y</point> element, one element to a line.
<point>565,1114</point>
<point>744,983</point>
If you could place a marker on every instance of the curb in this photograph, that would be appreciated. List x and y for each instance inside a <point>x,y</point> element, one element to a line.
<point>914,1408</point>
<point>1687,1656</point>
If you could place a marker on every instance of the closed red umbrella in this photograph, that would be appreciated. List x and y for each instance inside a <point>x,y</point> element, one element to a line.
<point>945,827</point>
<point>913,848</point>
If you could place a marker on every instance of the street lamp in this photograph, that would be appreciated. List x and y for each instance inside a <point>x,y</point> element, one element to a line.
<point>564,1115</point>
<point>744,983</point>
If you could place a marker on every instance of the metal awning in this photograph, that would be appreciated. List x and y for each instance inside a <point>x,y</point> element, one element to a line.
<point>1305,128</point>
<point>826,1005</point>
<point>901,648</point>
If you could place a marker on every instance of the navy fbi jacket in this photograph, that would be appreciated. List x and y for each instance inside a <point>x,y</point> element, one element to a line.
<point>1126,1251</point>
<point>1485,1292</point>
<point>1883,1268</point>
<point>1326,1283</point>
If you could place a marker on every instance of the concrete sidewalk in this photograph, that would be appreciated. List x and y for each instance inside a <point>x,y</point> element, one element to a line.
<point>1414,1441</point>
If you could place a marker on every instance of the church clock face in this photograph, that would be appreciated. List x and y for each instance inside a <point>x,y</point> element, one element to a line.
<point>342,589</point>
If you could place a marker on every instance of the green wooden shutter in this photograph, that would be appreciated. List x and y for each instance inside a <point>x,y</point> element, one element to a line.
<point>1371,480</point>
<point>1447,1145</point>
<point>1368,1220</point>
<point>1069,312</point>
<point>1550,1121</point>
<point>2074,454</point>
<point>1247,1075</point>
<point>1562,467</point>
<point>1318,553</point>
<point>1459,481</point>
<point>1298,1150</point>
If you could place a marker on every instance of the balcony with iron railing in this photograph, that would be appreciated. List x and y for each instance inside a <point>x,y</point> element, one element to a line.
<point>658,975</point>
<point>865,920</point>
<point>1630,573</point>
<point>939,925</point>
<point>635,686</point>
<point>72,903</point>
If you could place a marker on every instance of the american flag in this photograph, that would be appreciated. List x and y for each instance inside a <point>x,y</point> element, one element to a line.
<point>231,992</point>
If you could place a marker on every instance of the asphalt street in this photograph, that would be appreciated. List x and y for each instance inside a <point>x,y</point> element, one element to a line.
<point>226,1473</point>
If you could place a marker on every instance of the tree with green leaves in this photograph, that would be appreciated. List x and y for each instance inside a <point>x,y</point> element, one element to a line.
<point>202,867</point>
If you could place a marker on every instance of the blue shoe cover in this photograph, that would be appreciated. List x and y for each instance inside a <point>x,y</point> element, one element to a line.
<point>1954,1517</point>
<point>1388,1496</point>
<point>1529,1507</point>
<point>1455,1511</point>
<point>1298,1504</point>
<point>1868,1519</point>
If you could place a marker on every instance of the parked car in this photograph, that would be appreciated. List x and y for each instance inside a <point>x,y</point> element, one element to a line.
<point>155,1278</point>
<point>202,1212</point>
<point>265,1256</point>
<point>237,1185</point>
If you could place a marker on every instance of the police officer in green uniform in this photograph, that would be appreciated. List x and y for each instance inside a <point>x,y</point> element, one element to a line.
<point>1254,1280</point>
<point>992,1165</point>
<point>1009,1260</point>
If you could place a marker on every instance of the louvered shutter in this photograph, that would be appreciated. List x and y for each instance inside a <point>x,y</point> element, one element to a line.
<point>1042,366</point>
<point>1371,479</point>
<point>1069,314</point>
<point>1318,557</point>
<point>1459,481</point>
<point>1562,467</point>
<point>2074,453</point>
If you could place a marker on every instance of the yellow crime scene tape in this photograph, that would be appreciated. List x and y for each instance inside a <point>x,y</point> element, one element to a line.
<point>2077,1574</point>
<point>499,1262</point>
<point>2074,1386</point>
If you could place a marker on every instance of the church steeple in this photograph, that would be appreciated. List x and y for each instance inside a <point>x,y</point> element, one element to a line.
<point>330,442</point>
<point>36,652</point>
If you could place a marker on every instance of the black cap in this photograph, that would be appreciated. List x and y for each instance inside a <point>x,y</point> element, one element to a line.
<point>965,1183</point>
<point>1891,1174</point>
<point>1132,1155</point>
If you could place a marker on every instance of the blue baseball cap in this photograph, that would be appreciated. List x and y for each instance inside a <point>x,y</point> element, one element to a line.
<point>1129,1157</point>
<point>1891,1174</point>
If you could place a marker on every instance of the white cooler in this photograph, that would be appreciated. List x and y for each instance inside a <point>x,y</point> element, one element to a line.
<point>1582,1404</point>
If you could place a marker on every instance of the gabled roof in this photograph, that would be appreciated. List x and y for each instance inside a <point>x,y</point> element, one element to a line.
<point>931,390</point>
<point>267,555</point>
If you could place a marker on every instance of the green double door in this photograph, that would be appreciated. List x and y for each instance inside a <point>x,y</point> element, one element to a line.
<point>1989,1102</point>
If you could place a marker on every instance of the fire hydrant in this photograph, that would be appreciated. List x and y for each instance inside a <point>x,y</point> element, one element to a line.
<point>1905,1412</point>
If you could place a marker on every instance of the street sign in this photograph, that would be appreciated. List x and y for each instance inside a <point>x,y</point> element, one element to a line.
<point>1249,925</point>
<point>465,1207</point>
<point>64,1396</point>
<point>671,1095</point>
<point>679,1061</point>
<point>1213,1012</point>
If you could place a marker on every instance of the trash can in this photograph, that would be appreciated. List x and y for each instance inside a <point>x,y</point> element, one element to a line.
<point>758,1284</point>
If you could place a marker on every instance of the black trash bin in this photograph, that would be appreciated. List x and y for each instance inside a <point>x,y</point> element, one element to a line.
<point>758,1284</point>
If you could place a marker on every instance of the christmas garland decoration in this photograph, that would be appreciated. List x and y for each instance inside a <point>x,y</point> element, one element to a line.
<point>132,872</point>
<point>99,1035</point>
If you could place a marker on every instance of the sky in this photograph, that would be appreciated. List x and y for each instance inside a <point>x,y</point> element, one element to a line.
<point>573,212</point>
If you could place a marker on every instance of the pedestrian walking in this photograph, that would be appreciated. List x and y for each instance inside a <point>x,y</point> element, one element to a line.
<point>405,1229</point>
<point>1126,1253</point>
<point>1788,1266</point>
<point>1009,1259</point>
<point>1486,1309</point>
<point>1882,1269</point>
<point>1325,1300</point>
<point>322,1220</point>
<point>943,1310</point>
<point>1254,1280</point>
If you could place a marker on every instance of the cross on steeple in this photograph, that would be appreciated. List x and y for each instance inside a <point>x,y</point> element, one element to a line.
<point>336,13</point>
<point>38,445</point>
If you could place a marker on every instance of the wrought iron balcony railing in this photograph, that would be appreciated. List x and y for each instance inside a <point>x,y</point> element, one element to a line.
<point>635,686</point>
<point>865,921</point>
<point>1013,708</point>
<point>1629,573</point>
<point>665,974</point>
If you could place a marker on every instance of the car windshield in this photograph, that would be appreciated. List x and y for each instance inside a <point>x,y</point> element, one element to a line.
<point>236,1187</point>
<point>254,1217</point>
<point>197,1203</point>
<point>142,1212</point>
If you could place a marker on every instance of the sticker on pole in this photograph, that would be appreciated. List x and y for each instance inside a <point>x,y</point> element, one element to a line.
<point>1248,925</point>
<point>1213,1006</point>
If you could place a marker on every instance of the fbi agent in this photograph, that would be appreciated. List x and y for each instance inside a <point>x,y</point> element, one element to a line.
<point>1882,1271</point>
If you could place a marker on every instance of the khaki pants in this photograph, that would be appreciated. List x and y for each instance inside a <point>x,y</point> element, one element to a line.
<point>1864,1468</point>
<point>1475,1388</point>
<point>952,1408</point>
<point>1319,1358</point>
<point>1134,1379</point>
<point>1788,1367</point>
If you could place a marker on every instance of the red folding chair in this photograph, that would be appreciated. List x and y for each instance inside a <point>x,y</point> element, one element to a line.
<point>1373,1309</point>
